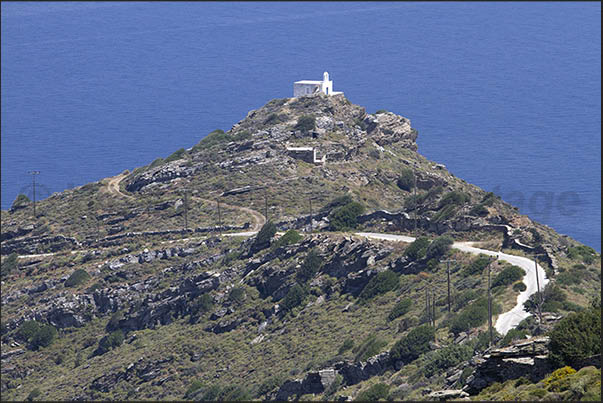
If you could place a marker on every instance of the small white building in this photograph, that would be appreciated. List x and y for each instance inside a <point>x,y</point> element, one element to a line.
<point>308,87</point>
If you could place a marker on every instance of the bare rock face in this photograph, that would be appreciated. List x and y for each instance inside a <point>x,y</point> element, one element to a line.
<point>160,174</point>
<point>387,128</point>
<point>526,358</point>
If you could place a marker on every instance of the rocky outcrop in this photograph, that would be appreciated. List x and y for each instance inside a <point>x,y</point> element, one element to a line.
<point>314,382</point>
<point>160,174</point>
<point>39,244</point>
<point>387,128</point>
<point>527,358</point>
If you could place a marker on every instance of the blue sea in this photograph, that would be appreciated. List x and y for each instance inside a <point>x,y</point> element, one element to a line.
<point>506,94</point>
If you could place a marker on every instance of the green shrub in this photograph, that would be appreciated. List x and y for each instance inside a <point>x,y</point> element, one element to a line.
<point>360,123</point>
<point>519,286</point>
<point>345,217</point>
<point>575,337</point>
<point>444,214</point>
<point>381,111</point>
<point>33,394</point>
<point>413,345</point>
<point>113,340</point>
<point>369,347</point>
<point>263,238</point>
<point>406,180</point>
<point>78,277</point>
<point>508,276</point>
<point>479,210</point>
<point>176,155</point>
<point>337,202</point>
<point>401,308</point>
<point>374,393</point>
<point>214,138</point>
<point>294,297</point>
<point>439,247</point>
<point>554,299</point>
<point>568,279</point>
<point>9,264</point>
<point>202,304</point>
<point>488,199</point>
<point>156,162</point>
<point>269,384</point>
<point>461,300</point>
<point>454,198</point>
<point>539,393</point>
<point>472,316</point>
<point>237,295</point>
<point>416,250</point>
<point>309,266</point>
<point>43,337</point>
<point>477,266</point>
<point>28,329</point>
<point>380,284</point>
<point>440,360</point>
<point>113,323</point>
<point>512,335</point>
<point>345,346</point>
<point>20,201</point>
<point>194,387</point>
<point>290,237</point>
<point>306,123</point>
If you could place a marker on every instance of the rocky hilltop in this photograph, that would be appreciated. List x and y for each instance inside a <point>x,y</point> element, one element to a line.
<point>156,284</point>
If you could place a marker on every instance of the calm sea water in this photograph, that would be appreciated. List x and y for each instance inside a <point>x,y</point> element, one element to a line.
<point>507,95</point>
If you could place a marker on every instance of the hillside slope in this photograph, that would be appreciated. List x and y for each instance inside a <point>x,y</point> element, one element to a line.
<point>130,288</point>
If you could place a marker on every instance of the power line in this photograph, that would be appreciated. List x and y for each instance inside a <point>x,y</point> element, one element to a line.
<point>33,177</point>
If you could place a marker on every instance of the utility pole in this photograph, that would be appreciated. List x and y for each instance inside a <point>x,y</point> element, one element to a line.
<point>265,205</point>
<point>427,306</point>
<point>311,214</point>
<point>416,201</point>
<point>185,210</point>
<point>219,217</point>
<point>539,293</point>
<point>490,305</point>
<point>448,261</point>
<point>433,306</point>
<point>33,177</point>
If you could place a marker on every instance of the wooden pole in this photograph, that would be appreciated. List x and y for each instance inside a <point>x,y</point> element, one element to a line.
<point>490,306</point>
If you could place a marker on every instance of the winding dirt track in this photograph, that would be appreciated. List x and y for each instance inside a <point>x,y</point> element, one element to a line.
<point>505,322</point>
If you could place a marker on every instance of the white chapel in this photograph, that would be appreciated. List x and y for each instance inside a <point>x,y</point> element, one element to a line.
<point>308,87</point>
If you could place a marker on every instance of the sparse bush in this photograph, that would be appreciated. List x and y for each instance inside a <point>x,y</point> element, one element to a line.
<point>9,264</point>
<point>35,393</point>
<point>444,214</point>
<point>78,277</point>
<point>345,217</point>
<point>381,111</point>
<point>237,295</point>
<point>439,247</point>
<point>113,323</point>
<point>416,250</point>
<point>176,155</point>
<point>512,335</point>
<point>345,346</point>
<point>156,162</point>
<point>113,340</point>
<point>575,337</point>
<point>306,123</point>
<point>290,237</point>
<point>454,198</point>
<point>20,201</point>
<point>369,347</point>
<point>269,384</point>
<point>444,358</point>
<point>413,345</point>
<point>43,337</point>
<point>310,266</point>
<point>477,266</point>
<point>264,237</point>
<point>202,304</point>
<point>553,298</point>
<point>406,180</point>
<point>479,210</point>
<point>568,279</point>
<point>401,308</point>
<point>28,329</point>
<point>338,202</point>
<point>374,393</point>
<point>508,276</point>
<point>380,284</point>
<point>294,297</point>
<point>194,387</point>
<point>472,316</point>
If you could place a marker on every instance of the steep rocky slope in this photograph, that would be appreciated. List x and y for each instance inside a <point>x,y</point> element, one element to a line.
<point>151,299</point>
